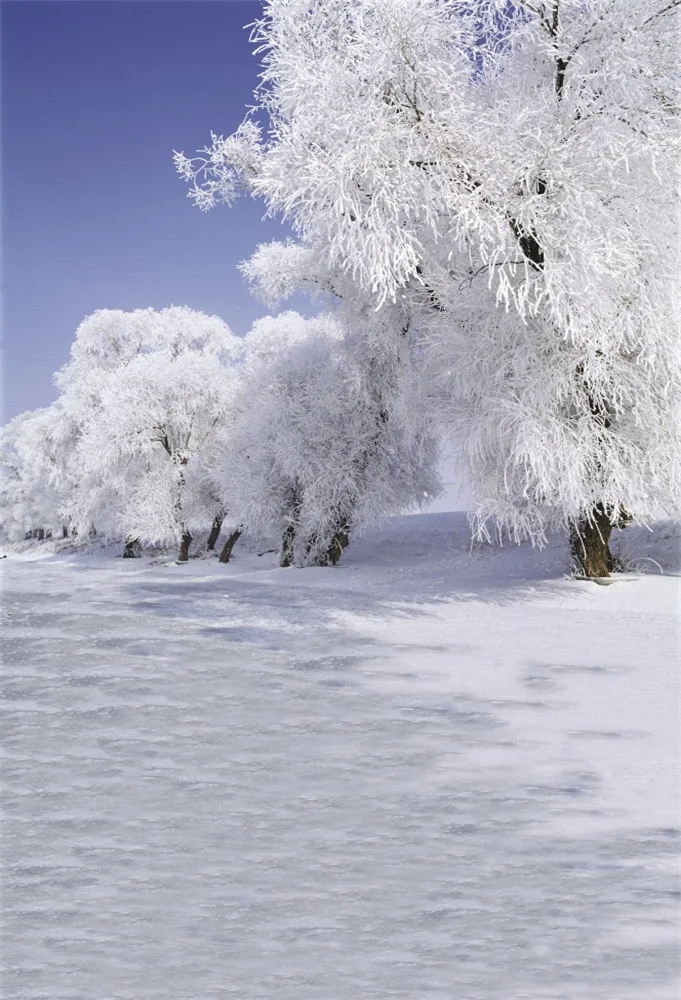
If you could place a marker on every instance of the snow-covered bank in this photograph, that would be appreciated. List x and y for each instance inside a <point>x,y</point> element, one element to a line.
<point>422,773</point>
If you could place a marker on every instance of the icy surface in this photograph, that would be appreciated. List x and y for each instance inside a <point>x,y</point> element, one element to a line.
<point>419,775</point>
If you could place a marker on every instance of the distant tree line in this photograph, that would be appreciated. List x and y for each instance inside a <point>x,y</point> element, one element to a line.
<point>168,426</point>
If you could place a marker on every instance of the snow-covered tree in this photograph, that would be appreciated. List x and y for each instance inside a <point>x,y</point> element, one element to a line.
<point>108,339</point>
<point>506,173</point>
<point>151,398</point>
<point>319,450</point>
<point>18,508</point>
<point>37,472</point>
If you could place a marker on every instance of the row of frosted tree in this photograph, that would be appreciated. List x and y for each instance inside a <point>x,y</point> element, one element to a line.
<point>168,428</point>
<point>485,203</point>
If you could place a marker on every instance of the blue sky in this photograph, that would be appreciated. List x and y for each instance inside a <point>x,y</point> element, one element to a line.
<point>95,96</point>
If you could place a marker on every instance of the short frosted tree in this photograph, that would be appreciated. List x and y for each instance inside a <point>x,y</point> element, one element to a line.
<point>316,453</point>
<point>507,173</point>
<point>38,474</point>
<point>149,414</point>
<point>20,511</point>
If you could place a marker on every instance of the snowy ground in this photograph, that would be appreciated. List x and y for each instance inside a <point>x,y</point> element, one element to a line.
<point>421,775</point>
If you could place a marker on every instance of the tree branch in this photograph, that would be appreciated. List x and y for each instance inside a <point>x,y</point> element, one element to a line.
<point>659,13</point>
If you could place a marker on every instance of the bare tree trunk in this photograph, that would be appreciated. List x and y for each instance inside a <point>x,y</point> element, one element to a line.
<point>287,540</point>
<point>185,542</point>
<point>214,532</point>
<point>589,541</point>
<point>41,534</point>
<point>329,556</point>
<point>226,553</point>
<point>186,538</point>
<point>339,543</point>
<point>130,550</point>
<point>64,532</point>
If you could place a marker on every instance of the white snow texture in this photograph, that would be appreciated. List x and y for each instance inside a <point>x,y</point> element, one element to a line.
<point>422,774</point>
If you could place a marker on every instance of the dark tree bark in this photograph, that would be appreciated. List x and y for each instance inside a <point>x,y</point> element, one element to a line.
<point>317,556</point>
<point>185,542</point>
<point>41,534</point>
<point>590,544</point>
<point>561,67</point>
<point>186,538</point>
<point>226,553</point>
<point>624,518</point>
<point>130,550</point>
<point>64,532</point>
<point>339,543</point>
<point>214,533</point>
<point>287,540</point>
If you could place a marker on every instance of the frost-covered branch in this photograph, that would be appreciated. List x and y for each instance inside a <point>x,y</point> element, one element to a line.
<point>505,177</point>
<point>224,169</point>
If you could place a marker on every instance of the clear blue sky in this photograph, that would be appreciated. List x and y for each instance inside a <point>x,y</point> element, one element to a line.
<point>95,96</point>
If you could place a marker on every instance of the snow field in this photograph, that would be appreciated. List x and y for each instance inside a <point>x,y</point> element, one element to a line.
<point>422,774</point>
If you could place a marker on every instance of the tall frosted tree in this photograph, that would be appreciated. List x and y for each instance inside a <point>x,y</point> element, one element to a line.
<point>506,174</point>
